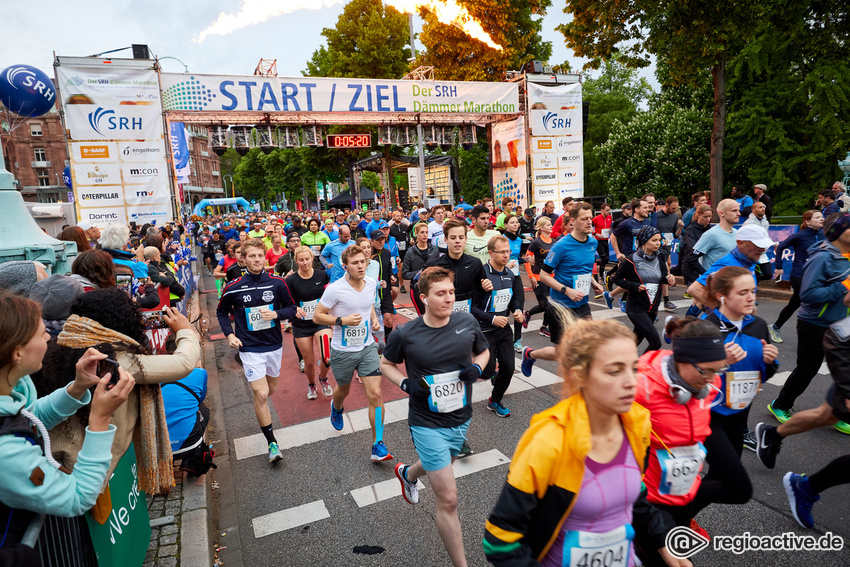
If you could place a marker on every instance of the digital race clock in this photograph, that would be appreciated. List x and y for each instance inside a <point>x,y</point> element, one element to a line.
<point>346,141</point>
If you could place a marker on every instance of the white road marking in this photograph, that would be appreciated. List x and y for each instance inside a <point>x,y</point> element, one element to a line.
<point>290,518</point>
<point>387,489</point>
<point>780,378</point>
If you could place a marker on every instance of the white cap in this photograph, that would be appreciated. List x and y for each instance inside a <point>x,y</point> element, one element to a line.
<point>85,225</point>
<point>423,211</point>
<point>755,234</point>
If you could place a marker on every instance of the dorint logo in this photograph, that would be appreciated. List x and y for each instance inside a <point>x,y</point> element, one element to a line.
<point>683,542</point>
<point>268,295</point>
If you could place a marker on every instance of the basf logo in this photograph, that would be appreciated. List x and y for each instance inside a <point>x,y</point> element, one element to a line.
<point>94,152</point>
<point>105,121</point>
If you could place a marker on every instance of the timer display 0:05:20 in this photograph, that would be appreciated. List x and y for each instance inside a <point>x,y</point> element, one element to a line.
<point>349,140</point>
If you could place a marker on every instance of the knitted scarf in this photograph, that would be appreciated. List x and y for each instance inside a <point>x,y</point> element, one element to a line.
<point>153,446</point>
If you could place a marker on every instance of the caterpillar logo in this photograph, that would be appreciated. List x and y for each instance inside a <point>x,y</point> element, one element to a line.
<point>97,196</point>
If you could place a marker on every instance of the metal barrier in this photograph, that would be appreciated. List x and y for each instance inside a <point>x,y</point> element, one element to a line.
<point>61,542</point>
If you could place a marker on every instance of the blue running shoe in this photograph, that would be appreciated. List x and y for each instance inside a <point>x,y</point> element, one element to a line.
<point>527,361</point>
<point>801,497</point>
<point>336,417</point>
<point>274,453</point>
<point>499,408</point>
<point>380,452</point>
<point>609,300</point>
<point>622,305</point>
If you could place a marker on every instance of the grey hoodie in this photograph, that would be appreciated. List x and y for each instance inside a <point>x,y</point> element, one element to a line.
<point>822,291</point>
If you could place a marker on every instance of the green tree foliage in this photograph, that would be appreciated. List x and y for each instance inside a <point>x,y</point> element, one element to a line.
<point>369,40</point>
<point>473,166</point>
<point>370,181</point>
<point>513,24</point>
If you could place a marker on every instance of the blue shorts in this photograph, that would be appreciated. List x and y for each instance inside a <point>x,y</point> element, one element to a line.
<point>437,446</point>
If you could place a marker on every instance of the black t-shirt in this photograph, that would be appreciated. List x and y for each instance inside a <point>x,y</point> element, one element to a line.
<point>306,294</point>
<point>429,353</point>
<point>235,271</point>
<point>210,247</point>
<point>540,249</point>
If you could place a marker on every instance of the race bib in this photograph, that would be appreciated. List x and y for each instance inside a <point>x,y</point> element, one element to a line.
<point>679,470</point>
<point>402,245</point>
<point>652,291</point>
<point>666,239</point>
<point>392,262</point>
<point>586,549</point>
<point>515,269</point>
<point>461,306</point>
<point>741,388</point>
<point>309,308</point>
<point>582,283</point>
<point>218,256</point>
<point>499,300</point>
<point>255,318</point>
<point>355,336</point>
<point>605,233</point>
<point>634,243</point>
<point>316,250</point>
<point>448,393</point>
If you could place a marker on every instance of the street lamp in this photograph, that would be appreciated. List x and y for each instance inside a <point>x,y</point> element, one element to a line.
<point>185,67</point>
<point>232,185</point>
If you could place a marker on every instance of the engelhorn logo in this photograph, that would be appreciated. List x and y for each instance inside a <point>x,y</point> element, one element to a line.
<point>551,121</point>
<point>102,119</point>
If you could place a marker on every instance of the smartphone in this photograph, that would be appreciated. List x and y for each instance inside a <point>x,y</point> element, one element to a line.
<point>125,282</point>
<point>106,366</point>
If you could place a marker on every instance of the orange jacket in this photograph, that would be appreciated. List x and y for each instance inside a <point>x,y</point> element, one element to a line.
<point>673,425</point>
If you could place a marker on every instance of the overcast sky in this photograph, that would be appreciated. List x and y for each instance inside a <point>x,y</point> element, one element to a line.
<point>87,27</point>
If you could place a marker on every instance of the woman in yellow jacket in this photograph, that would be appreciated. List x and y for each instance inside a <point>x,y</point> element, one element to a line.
<point>574,494</point>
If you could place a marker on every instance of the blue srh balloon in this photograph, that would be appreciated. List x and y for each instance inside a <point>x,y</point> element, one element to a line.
<point>26,91</point>
<point>66,176</point>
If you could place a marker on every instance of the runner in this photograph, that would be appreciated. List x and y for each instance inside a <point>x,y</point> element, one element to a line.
<point>538,250</point>
<point>624,241</point>
<point>220,271</point>
<point>568,272</point>
<point>256,301</point>
<point>306,286</point>
<point>212,249</point>
<point>480,235</point>
<point>602,232</point>
<point>419,254</point>
<point>511,226</point>
<point>573,494</point>
<point>400,230</point>
<point>506,298</point>
<point>238,269</point>
<point>348,305</point>
<point>387,281</point>
<point>440,390</point>
<point>286,265</point>
<point>275,251</point>
<point>316,240</point>
<point>667,221</point>
<point>435,227</point>
<point>333,251</point>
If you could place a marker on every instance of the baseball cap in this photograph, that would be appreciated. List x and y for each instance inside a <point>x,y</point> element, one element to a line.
<point>293,235</point>
<point>755,234</point>
<point>383,224</point>
<point>85,225</point>
<point>377,234</point>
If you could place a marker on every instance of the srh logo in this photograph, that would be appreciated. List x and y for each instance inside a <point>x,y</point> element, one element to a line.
<point>94,152</point>
<point>683,542</point>
<point>551,121</point>
<point>102,120</point>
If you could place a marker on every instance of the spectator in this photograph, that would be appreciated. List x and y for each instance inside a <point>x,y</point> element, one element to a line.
<point>762,197</point>
<point>697,199</point>
<point>55,295</point>
<point>92,232</point>
<point>77,235</point>
<point>162,274</point>
<point>745,202</point>
<point>827,201</point>
<point>188,418</point>
<point>764,270</point>
<point>839,192</point>
<point>115,241</point>
<point>19,276</point>
<point>93,269</point>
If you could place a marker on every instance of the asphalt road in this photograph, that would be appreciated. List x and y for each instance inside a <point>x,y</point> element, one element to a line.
<point>315,506</point>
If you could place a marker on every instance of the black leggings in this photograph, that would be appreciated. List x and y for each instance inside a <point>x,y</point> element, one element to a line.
<point>603,251</point>
<point>793,303</point>
<point>541,292</point>
<point>727,481</point>
<point>645,328</point>
<point>809,358</point>
<point>833,474</point>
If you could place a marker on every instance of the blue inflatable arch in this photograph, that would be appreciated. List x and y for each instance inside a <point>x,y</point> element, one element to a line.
<point>204,203</point>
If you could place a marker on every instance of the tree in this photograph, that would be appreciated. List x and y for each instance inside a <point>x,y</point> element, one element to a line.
<point>474,170</point>
<point>511,23</point>
<point>369,40</point>
<point>617,78</point>
<point>691,35</point>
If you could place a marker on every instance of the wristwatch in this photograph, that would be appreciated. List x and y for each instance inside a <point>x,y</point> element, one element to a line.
<point>563,290</point>
<point>339,321</point>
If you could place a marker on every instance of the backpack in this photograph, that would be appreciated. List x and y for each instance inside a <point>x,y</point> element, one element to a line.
<point>197,461</point>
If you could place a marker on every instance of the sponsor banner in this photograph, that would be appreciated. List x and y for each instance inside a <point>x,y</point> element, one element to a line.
<point>149,213</point>
<point>110,86</point>
<point>567,176</point>
<point>141,151</point>
<point>543,193</point>
<point>101,196</point>
<point>102,217</point>
<point>545,177</point>
<point>544,161</point>
<point>144,173</point>
<point>569,143</point>
<point>555,111</point>
<point>543,97</point>
<point>413,183</point>
<point>87,174</point>
<point>149,194</point>
<point>180,151</point>
<point>217,93</point>
<point>574,190</point>
<point>87,152</point>
<point>114,123</point>
<point>509,161</point>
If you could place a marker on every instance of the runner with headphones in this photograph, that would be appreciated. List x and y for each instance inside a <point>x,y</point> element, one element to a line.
<point>677,388</point>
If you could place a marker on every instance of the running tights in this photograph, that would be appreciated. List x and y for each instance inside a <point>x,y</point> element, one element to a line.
<point>833,474</point>
<point>793,303</point>
<point>501,346</point>
<point>727,481</point>
<point>645,328</point>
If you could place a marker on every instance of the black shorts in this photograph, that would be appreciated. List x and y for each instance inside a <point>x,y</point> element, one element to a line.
<point>838,403</point>
<point>387,302</point>
<point>556,325</point>
<point>305,329</point>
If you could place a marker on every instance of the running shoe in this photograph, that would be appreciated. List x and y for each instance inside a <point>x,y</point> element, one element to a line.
<point>287,327</point>
<point>327,391</point>
<point>518,346</point>
<point>527,362</point>
<point>380,452</point>
<point>274,453</point>
<point>699,530</point>
<point>843,427</point>
<point>544,332</point>
<point>312,394</point>
<point>336,417</point>
<point>465,450</point>
<point>769,444</point>
<point>409,490</point>
<point>301,366</point>
<point>599,296</point>
<point>774,333</point>
<point>499,408</point>
<point>750,440</point>
<point>669,306</point>
<point>525,319</point>
<point>781,415</point>
<point>622,306</point>
<point>402,290</point>
<point>801,497</point>
<point>609,300</point>
<point>688,295</point>
<point>664,331</point>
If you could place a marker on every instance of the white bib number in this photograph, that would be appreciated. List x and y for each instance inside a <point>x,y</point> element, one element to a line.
<point>605,233</point>
<point>679,470</point>
<point>316,250</point>
<point>309,308</point>
<point>402,245</point>
<point>461,306</point>
<point>515,269</point>
<point>652,291</point>
<point>448,393</point>
<point>354,336</point>
<point>666,239</point>
<point>392,262</point>
<point>499,300</point>
<point>218,256</point>
<point>255,318</point>
<point>586,549</point>
<point>582,283</point>
<point>741,388</point>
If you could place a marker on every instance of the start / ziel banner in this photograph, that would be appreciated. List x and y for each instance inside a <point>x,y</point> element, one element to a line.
<point>217,93</point>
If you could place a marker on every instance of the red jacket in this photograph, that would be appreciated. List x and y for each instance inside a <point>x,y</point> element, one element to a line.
<point>601,223</point>
<point>676,425</point>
